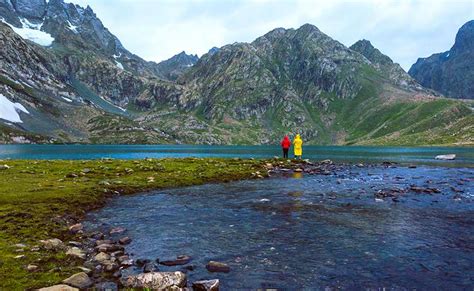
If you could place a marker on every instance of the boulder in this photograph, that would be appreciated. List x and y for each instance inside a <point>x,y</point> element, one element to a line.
<point>76,253</point>
<point>206,285</point>
<point>79,280</point>
<point>156,280</point>
<point>4,167</point>
<point>53,244</point>
<point>446,157</point>
<point>214,266</point>
<point>60,287</point>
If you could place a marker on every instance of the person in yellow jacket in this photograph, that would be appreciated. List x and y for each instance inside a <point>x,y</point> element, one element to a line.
<point>298,146</point>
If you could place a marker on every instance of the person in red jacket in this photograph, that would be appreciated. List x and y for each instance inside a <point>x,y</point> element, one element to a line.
<point>285,144</point>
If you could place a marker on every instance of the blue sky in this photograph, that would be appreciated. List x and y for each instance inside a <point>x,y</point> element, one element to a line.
<point>403,29</point>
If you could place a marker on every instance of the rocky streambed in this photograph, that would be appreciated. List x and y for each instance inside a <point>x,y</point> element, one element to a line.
<point>305,225</point>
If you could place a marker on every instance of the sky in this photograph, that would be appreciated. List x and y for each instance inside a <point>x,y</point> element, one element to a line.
<point>404,30</point>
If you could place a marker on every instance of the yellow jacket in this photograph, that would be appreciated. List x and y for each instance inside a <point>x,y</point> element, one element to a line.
<point>298,145</point>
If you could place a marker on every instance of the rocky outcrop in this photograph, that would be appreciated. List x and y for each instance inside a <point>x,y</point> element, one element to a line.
<point>450,72</point>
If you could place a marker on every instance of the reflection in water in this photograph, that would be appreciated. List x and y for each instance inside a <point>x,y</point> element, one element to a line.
<point>297,175</point>
<point>311,232</point>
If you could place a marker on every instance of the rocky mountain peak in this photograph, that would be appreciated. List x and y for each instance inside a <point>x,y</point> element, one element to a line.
<point>365,48</point>
<point>465,38</point>
<point>30,8</point>
<point>450,72</point>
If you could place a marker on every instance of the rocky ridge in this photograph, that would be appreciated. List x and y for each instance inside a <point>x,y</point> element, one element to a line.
<point>450,72</point>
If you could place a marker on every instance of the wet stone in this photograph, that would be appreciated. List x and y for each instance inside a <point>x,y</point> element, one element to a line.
<point>180,260</point>
<point>206,285</point>
<point>125,240</point>
<point>214,266</point>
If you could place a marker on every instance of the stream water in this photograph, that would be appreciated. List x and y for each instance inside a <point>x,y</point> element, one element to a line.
<point>304,231</point>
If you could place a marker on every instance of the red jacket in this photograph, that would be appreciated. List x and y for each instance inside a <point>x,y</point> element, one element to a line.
<point>286,143</point>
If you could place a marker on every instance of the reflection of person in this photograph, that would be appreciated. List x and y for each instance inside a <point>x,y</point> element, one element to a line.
<point>285,145</point>
<point>298,143</point>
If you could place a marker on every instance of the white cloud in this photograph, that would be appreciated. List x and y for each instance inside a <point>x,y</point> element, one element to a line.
<point>403,29</point>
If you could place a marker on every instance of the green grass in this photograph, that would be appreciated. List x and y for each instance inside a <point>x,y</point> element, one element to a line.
<point>35,196</point>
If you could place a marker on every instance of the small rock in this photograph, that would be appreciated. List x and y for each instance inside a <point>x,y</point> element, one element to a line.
<point>106,286</point>
<point>20,246</point>
<point>86,170</point>
<point>31,268</point>
<point>101,242</point>
<point>52,244</point>
<point>76,228</point>
<point>79,280</point>
<point>125,240</point>
<point>111,267</point>
<point>85,270</point>
<point>142,262</point>
<point>20,257</point>
<point>60,287</point>
<point>156,280</point>
<point>214,266</point>
<point>75,244</point>
<point>150,267</point>
<point>76,253</point>
<point>72,175</point>
<point>206,285</point>
<point>117,230</point>
<point>102,257</point>
<point>117,274</point>
<point>107,248</point>
<point>180,260</point>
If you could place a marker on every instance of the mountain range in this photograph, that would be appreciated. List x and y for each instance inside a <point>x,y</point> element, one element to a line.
<point>64,77</point>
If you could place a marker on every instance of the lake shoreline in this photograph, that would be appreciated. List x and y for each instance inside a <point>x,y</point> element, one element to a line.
<point>28,263</point>
<point>42,199</point>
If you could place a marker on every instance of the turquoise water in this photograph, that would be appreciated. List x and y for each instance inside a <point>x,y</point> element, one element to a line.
<point>424,155</point>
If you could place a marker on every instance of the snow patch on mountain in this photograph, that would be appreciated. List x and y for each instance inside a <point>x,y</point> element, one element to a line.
<point>72,27</point>
<point>32,31</point>
<point>119,65</point>
<point>10,111</point>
